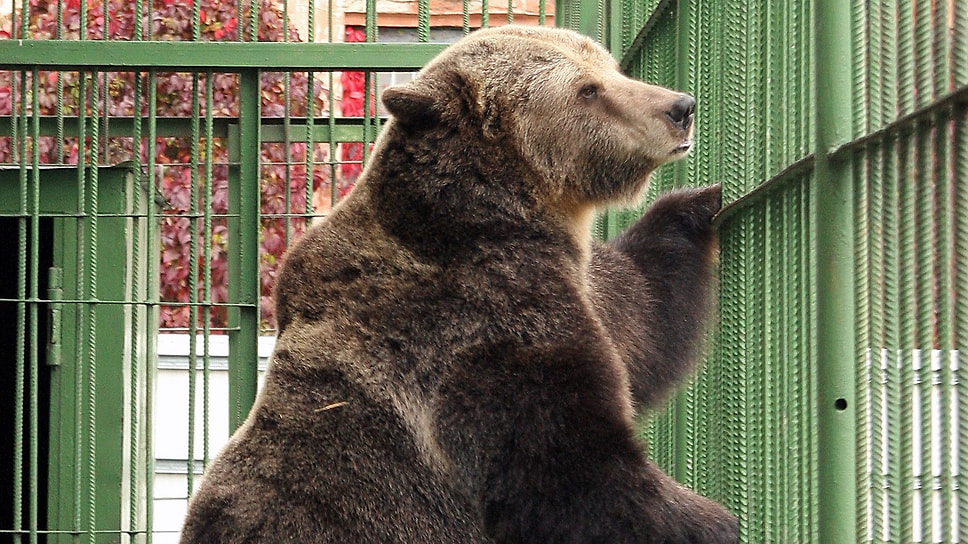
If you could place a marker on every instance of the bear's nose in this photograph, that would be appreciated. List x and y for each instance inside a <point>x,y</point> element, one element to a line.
<point>681,112</point>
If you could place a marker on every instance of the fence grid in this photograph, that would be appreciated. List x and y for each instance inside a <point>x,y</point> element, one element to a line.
<point>903,159</point>
<point>157,157</point>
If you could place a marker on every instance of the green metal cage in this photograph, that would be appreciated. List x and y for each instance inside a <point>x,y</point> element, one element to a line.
<point>832,407</point>
<point>156,157</point>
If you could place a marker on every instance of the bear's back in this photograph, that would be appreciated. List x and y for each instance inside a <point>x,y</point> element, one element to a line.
<point>342,461</point>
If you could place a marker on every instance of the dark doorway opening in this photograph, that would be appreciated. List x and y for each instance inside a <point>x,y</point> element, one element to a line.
<point>12,302</point>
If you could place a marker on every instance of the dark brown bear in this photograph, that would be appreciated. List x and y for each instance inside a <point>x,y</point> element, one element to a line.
<point>457,361</point>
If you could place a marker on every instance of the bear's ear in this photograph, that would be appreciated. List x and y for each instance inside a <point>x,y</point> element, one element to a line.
<point>413,103</point>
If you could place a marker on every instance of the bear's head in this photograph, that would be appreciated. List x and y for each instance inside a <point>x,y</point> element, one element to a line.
<point>585,133</point>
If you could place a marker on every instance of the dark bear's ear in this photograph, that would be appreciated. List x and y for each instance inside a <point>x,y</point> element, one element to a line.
<point>413,103</point>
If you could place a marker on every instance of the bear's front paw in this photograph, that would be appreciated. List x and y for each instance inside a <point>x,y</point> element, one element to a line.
<point>688,209</point>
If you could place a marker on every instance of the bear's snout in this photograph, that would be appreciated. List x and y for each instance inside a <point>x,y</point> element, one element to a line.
<point>681,112</point>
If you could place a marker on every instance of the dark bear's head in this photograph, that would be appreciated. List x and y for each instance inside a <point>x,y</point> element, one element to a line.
<point>589,134</point>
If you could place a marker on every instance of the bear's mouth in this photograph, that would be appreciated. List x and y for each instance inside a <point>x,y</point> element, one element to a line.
<point>683,147</point>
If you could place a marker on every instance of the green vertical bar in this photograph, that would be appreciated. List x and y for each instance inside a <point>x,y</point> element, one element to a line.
<point>253,20</point>
<point>207,260</point>
<point>588,19</point>
<point>372,35</point>
<point>735,348</point>
<point>371,28</point>
<point>91,265</point>
<point>683,54</point>
<point>138,326</point>
<point>616,20</point>
<point>423,21</point>
<point>152,320</point>
<point>779,365</point>
<point>922,384</point>
<point>77,467</point>
<point>754,323</point>
<point>34,341</point>
<point>192,279</point>
<point>859,41</point>
<point>835,274</point>
<point>960,182</point>
<point>310,159</point>
<point>244,254</point>
<point>20,356</point>
<point>886,94</point>
<point>959,171</point>
<point>906,264</point>
<point>943,168</point>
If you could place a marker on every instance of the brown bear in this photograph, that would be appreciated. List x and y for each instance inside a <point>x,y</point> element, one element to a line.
<point>456,360</point>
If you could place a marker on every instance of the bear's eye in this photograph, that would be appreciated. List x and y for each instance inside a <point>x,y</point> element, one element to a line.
<point>588,91</point>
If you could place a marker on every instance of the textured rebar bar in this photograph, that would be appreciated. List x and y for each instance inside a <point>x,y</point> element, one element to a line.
<point>756,359</point>
<point>946,261</point>
<point>877,341</point>
<point>152,317</point>
<point>907,324</point>
<point>90,319</point>
<point>253,20</point>
<point>192,280</point>
<point>20,355</point>
<point>735,347</point>
<point>862,254</point>
<point>207,297</point>
<point>960,341</point>
<point>33,341</point>
<point>138,278</point>
<point>737,246</point>
<point>771,381</point>
<point>791,494</point>
<point>80,203</point>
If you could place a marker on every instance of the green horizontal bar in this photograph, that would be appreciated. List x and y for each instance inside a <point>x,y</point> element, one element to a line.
<point>124,126</point>
<point>148,303</point>
<point>345,129</point>
<point>797,170</point>
<point>189,56</point>
<point>954,100</point>
<point>342,132</point>
<point>640,37</point>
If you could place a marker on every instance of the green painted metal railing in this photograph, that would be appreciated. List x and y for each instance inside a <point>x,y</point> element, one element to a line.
<point>833,404</point>
<point>107,145</point>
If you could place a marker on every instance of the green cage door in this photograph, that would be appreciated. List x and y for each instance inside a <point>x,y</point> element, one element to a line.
<point>75,299</point>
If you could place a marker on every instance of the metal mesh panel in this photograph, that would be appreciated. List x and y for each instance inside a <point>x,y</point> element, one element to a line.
<point>909,160</point>
<point>743,432</point>
<point>150,178</point>
<point>746,432</point>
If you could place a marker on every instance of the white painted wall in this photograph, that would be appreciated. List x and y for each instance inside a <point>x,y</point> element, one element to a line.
<point>171,421</point>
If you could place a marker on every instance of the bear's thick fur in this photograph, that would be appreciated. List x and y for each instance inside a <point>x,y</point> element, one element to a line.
<point>457,361</point>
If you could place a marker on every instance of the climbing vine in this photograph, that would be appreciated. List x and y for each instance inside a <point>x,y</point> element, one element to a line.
<point>284,179</point>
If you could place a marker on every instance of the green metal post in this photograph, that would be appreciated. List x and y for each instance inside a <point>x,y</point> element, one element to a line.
<point>615,21</point>
<point>835,278</point>
<point>588,19</point>
<point>682,412</point>
<point>244,254</point>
